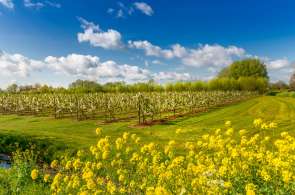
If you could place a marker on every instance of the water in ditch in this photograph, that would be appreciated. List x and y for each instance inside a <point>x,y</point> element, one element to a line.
<point>5,161</point>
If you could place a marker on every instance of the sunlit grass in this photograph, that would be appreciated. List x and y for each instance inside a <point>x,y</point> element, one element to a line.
<point>79,134</point>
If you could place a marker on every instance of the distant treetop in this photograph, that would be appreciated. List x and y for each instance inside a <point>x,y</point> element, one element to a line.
<point>245,68</point>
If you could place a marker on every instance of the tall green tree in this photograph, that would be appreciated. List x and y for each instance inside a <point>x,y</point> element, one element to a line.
<point>245,68</point>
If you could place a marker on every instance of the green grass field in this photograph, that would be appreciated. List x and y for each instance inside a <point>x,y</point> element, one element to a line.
<point>79,134</point>
<point>54,137</point>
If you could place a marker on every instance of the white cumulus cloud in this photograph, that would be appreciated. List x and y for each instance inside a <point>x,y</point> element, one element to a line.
<point>172,76</point>
<point>91,67</point>
<point>7,3</point>
<point>278,64</point>
<point>110,39</point>
<point>144,8</point>
<point>81,66</point>
<point>205,55</point>
<point>17,64</point>
<point>154,50</point>
<point>73,64</point>
<point>212,55</point>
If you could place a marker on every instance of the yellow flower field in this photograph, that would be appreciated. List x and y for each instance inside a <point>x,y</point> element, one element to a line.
<point>214,164</point>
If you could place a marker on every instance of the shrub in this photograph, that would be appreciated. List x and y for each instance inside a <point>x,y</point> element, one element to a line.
<point>18,179</point>
<point>242,84</point>
<point>253,84</point>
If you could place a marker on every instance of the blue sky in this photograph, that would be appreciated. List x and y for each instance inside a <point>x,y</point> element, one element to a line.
<point>58,41</point>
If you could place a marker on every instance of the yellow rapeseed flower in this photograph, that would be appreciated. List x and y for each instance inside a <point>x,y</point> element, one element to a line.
<point>46,178</point>
<point>34,174</point>
<point>287,175</point>
<point>121,178</point>
<point>273,125</point>
<point>87,174</point>
<point>229,132</point>
<point>250,189</point>
<point>83,193</point>
<point>111,188</point>
<point>242,132</point>
<point>161,191</point>
<point>265,176</point>
<point>227,123</point>
<point>91,184</point>
<point>54,164</point>
<point>228,184</point>
<point>264,126</point>
<point>257,122</point>
<point>98,131</point>
<point>105,155</point>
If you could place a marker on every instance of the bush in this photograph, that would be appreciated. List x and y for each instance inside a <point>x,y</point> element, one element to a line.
<point>286,94</point>
<point>49,149</point>
<point>242,84</point>
<point>17,179</point>
<point>253,84</point>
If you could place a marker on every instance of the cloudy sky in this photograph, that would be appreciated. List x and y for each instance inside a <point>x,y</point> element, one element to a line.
<point>58,41</point>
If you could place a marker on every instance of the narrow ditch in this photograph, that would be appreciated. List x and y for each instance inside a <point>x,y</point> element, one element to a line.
<point>5,161</point>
